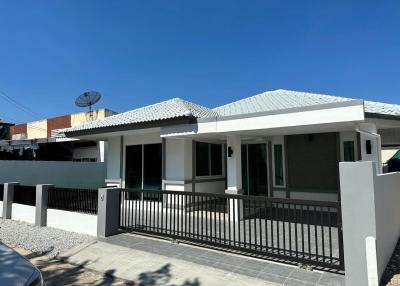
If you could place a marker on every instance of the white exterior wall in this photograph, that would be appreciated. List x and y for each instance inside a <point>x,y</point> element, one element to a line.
<point>178,164</point>
<point>178,159</point>
<point>1,208</point>
<point>72,221</point>
<point>61,174</point>
<point>114,158</point>
<point>387,211</point>
<point>23,213</point>
<point>370,212</point>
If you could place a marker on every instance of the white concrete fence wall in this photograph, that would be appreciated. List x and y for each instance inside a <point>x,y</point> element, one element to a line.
<point>62,174</point>
<point>41,215</point>
<point>371,220</point>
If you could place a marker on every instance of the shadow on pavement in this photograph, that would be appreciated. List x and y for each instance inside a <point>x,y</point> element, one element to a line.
<point>57,273</point>
<point>161,276</point>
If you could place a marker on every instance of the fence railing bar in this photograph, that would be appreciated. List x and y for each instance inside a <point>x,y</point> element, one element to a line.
<point>269,227</point>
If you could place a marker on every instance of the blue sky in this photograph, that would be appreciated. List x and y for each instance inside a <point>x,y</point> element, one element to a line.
<point>210,52</point>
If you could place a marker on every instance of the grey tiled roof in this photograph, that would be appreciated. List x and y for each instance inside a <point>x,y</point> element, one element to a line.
<point>173,108</point>
<point>285,99</point>
<point>268,101</point>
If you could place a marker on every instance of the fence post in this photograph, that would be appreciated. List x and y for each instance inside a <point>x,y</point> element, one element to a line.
<point>108,211</point>
<point>8,198</point>
<point>41,204</point>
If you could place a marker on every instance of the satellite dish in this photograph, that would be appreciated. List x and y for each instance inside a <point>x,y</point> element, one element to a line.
<point>87,99</point>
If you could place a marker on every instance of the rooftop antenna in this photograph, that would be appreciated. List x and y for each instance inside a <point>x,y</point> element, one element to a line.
<point>87,99</point>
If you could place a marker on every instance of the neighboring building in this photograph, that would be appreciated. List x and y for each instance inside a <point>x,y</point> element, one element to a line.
<point>279,143</point>
<point>5,130</point>
<point>39,140</point>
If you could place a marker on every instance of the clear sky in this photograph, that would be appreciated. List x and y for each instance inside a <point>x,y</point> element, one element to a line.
<point>210,52</point>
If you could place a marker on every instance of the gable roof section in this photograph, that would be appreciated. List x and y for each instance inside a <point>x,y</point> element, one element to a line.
<point>286,99</point>
<point>171,109</point>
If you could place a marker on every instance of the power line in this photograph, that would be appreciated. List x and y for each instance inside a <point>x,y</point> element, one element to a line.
<point>21,106</point>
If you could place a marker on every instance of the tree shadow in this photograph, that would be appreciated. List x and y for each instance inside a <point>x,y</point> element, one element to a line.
<point>162,276</point>
<point>56,272</point>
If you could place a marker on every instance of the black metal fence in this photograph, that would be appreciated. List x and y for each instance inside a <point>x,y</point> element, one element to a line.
<point>25,195</point>
<point>76,200</point>
<point>308,232</point>
<point>1,191</point>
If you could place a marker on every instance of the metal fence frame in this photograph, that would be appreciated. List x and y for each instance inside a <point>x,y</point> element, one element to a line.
<point>25,195</point>
<point>241,223</point>
<point>75,200</point>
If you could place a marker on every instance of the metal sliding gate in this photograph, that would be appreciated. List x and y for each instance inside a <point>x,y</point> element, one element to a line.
<point>307,232</point>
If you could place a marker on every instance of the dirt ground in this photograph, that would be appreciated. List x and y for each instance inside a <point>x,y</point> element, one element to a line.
<point>56,273</point>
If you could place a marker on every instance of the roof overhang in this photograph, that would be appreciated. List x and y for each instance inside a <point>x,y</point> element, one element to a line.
<point>324,116</point>
<point>105,132</point>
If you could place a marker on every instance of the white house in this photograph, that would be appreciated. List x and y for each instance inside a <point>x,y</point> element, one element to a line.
<point>278,143</point>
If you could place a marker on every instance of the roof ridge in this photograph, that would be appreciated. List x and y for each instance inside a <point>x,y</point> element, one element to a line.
<point>268,92</point>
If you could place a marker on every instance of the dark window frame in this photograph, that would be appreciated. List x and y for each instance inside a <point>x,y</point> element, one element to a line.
<point>214,166</point>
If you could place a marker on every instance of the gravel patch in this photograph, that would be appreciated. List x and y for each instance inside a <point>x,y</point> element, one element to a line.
<point>391,276</point>
<point>42,240</point>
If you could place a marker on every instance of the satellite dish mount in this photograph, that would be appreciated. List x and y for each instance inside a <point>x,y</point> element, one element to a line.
<point>87,99</point>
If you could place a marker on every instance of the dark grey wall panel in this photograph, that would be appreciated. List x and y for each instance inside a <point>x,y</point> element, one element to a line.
<point>312,161</point>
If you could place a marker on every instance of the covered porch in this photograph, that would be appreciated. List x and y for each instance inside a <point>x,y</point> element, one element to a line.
<point>287,155</point>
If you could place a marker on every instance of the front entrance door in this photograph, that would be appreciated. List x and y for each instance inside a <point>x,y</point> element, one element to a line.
<point>254,169</point>
<point>143,167</point>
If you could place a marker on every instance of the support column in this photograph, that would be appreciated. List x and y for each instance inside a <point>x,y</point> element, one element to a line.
<point>8,198</point>
<point>42,192</point>
<point>234,182</point>
<point>234,165</point>
<point>108,212</point>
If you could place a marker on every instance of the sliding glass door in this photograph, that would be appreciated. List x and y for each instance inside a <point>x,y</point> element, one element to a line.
<point>143,167</point>
<point>254,169</point>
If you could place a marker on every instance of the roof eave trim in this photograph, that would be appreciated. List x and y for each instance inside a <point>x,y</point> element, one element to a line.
<point>287,110</point>
<point>132,126</point>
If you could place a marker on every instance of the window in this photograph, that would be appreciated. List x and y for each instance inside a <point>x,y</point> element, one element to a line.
<point>208,159</point>
<point>278,164</point>
<point>348,151</point>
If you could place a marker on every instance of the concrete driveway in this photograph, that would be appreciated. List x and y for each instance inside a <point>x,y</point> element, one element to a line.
<point>148,261</point>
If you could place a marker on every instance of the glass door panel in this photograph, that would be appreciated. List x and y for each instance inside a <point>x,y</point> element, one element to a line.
<point>258,174</point>
<point>152,167</point>
<point>254,169</point>
<point>133,167</point>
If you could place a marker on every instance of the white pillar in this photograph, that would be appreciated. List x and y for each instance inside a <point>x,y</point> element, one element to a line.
<point>234,181</point>
<point>234,164</point>
<point>101,149</point>
<point>368,132</point>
